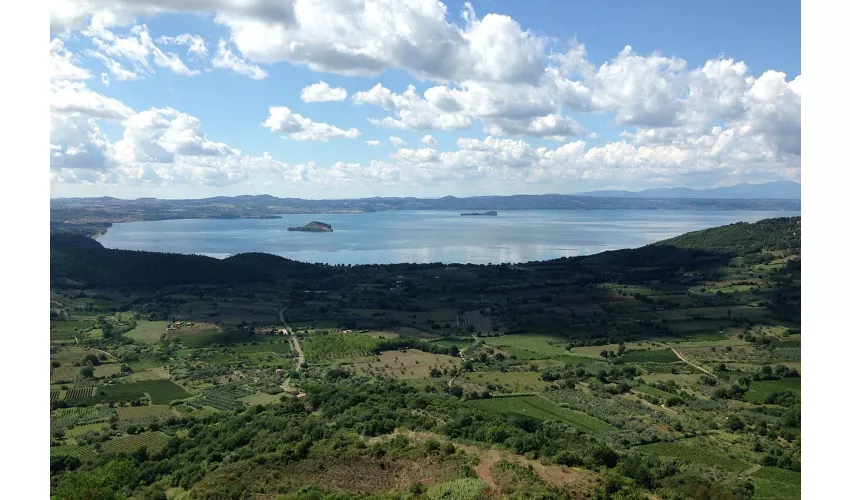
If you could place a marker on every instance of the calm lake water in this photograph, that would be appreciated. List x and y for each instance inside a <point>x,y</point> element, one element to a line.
<point>425,236</point>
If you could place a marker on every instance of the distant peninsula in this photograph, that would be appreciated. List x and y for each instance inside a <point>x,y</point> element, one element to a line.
<point>491,213</point>
<point>313,227</point>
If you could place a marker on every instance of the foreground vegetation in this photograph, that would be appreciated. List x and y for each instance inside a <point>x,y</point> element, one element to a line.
<point>670,371</point>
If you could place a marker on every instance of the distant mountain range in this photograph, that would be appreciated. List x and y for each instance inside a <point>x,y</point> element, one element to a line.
<point>778,190</point>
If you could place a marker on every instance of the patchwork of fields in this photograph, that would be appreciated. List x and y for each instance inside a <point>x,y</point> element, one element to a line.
<point>669,371</point>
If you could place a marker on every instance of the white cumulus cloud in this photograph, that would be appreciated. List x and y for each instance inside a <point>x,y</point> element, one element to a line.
<point>322,92</point>
<point>301,128</point>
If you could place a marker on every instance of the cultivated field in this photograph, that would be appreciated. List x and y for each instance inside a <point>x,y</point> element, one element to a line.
<point>152,441</point>
<point>148,331</point>
<point>324,347</point>
<point>150,412</point>
<point>697,450</point>
<point>410,364</point>
<point>530,346</point>
<point>759,391</point>
<point>64,374</point>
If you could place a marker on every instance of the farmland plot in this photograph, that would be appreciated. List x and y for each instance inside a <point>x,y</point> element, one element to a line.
<point>153,441</point>
<point>696,450</point>
<point>148,331</point>
<point>78,412</point>
<point>410,364</point>
<point>160,391</point>
<point>224,398</point>
<point>650,356</point>
<point>337,345</point>
<point>151,412</point>
<point>530,346</point>
<point>474,321</point>
<point>773,482</point>
<point>79,393</point>
<point>107,370</point>
<point>64,374</point>
<point>759,391</point>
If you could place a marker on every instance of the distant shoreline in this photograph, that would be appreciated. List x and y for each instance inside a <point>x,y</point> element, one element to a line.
<point>96,230</point>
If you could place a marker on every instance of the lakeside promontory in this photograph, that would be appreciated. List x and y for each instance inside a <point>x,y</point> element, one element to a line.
<point>491,213</point>
<point>313,227</point>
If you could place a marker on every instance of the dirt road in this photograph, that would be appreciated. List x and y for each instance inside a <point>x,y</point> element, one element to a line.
<point>287,386</point>
<point>688,362</point>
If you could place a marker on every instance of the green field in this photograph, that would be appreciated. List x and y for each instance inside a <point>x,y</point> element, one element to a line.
<point>541,409</point>
<point>143,412</point>
<point>77,412</point>
<point>529,346</point>
<point>652,391</point>
<point>147,331</point>
<point>224,398</point>
<point>153,441</point>
<point>197,336</point>
<point>696,450</point>
<point>68,329</point>
<point>82,429</point>
<point>107,370</point>
<point>577,360</point>
<point>759,391</point>
<point>64,374</point>
<point>337,345</point>
<point>160,391</point>
<point>650,356</point>
<point>68,356</point>
<point>77,393</point>
<point>773,482</point>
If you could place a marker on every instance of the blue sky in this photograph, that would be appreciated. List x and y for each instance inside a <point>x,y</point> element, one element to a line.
<point>520,97</point>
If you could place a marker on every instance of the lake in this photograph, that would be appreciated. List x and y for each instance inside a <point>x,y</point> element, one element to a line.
<point>425,236</point>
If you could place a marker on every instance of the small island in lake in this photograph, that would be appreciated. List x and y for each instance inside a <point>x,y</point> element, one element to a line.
<point>313,227</point>
<point>490,213</point>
